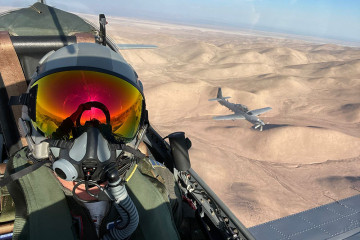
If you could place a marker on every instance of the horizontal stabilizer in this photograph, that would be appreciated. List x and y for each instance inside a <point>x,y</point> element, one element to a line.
<point>218,99</point>
<point>257,112</point>
<point>135,46</point>
<point>229,117</point>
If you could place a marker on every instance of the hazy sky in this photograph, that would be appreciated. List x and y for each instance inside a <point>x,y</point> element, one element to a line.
<point>338,19</point>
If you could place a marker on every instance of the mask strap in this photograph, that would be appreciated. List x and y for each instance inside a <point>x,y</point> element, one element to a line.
<point>27,99</point>
<point>15,176</point>
<point>137,154</point>
<point>59,143</point>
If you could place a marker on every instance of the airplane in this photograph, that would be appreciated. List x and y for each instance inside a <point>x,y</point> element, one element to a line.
<point>240,111</point>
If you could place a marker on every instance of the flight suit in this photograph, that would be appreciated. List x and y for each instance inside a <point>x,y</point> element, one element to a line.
<point>46,210</point>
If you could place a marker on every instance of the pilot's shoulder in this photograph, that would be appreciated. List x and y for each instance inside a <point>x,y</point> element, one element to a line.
<point>20,158</point>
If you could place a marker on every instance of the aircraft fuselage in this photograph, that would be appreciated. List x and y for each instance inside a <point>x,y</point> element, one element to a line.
<point>243,110</point>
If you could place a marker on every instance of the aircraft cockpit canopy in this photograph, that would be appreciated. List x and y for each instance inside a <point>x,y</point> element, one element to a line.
<point>242,107</point>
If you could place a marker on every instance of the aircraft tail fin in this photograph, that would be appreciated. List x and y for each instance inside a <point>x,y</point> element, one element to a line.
<point>219,96</point>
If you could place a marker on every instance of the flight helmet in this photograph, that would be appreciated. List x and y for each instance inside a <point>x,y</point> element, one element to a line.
<point>82,98</point>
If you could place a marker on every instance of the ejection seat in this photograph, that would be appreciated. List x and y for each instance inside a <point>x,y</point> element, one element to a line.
<point>19,57</point>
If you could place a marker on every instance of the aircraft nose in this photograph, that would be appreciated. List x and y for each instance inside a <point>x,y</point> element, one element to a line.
<point>261,122</point>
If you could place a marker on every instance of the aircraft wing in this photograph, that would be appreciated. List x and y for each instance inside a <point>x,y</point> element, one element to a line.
<point>337,220</point>
<point>257,112</point>
<point>229,117</point>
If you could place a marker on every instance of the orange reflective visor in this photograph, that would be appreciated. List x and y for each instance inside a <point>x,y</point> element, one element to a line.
<point>60,95</point>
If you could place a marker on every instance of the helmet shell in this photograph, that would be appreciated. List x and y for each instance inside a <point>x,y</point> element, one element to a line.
<point>82,56</point>
<point>87,56</point>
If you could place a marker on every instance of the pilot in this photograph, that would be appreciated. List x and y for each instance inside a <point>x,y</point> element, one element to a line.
<point>83,118</point>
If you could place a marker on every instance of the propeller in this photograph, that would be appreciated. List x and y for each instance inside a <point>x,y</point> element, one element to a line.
<point>260,124</point>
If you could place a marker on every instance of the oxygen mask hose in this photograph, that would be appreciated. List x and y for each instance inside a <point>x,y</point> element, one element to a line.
<point>125,207</point>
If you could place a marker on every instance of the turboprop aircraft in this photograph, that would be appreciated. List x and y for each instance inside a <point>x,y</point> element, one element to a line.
<point>240,111</point>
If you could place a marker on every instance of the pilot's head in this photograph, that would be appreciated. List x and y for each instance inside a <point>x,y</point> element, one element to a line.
<point>84,103</point>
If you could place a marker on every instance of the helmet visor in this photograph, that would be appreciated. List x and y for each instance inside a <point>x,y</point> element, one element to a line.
<point>72,94</point>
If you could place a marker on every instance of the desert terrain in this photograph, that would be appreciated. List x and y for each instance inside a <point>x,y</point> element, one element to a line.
<point>309,152</point>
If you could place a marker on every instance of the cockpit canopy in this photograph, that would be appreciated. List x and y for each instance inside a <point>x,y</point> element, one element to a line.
<point>242,107</point>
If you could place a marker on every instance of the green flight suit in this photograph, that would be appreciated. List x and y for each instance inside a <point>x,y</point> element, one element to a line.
<point>45,210</point>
